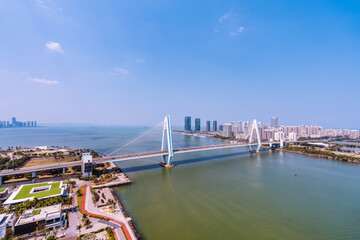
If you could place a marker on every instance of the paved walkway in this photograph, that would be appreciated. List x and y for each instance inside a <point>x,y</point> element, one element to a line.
<point>118,218</point>
<point>75,219</point>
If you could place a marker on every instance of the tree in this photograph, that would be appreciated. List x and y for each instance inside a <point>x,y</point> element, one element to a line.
<point>107,221</point>
<point>52,237</point>
<point>8,234</point>
<point>43,230</point>
<point>55,231</point>
<point>86,222</point>
<point>78,227</point>
<point>78,193</point>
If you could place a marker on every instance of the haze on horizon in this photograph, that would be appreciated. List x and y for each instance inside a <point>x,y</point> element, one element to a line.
<point>133,62</point>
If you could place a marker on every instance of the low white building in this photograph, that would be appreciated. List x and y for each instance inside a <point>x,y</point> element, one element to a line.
<point>7,220</point>
<point>47,217</point>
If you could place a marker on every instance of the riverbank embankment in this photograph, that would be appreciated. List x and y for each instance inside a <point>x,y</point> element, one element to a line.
<point>330,157</point>
<point>126,214</point>
<point>101,201</point>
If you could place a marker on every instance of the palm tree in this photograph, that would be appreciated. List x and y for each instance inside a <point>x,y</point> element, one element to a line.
<point>55,231</point>
<point>78,227</point>
<point>63,230</point>
<point>86,222</point>
<point>43,229</point>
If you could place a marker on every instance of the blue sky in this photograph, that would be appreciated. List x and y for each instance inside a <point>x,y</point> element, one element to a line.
<point>132,62</point>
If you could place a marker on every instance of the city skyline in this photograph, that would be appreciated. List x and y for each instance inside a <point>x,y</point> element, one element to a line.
<point>133,63</point>
<point>14,123</point>
<point>272,130</point>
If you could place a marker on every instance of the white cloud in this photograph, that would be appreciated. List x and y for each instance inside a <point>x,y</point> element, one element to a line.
<point>239,30</point>
<point>41,4</point>
<point>225,16</point>
<point>44,81</point>
<point>22,73</point>
<point>122,70</point>
<point>140,60</point>
<point>54,46</point>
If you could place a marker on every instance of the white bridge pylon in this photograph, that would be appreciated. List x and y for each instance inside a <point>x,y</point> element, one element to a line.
<point>167,140</point>
<point>254,126</point>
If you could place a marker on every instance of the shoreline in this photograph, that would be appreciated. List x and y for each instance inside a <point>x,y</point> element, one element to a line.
<point>320,156</point>
<point>126,214</point>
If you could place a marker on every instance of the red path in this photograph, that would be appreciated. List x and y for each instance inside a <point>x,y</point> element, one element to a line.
<point>127,234</point>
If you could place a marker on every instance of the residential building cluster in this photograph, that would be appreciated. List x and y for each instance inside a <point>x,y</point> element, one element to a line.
<point>274,131</point>
<point>14,123</point>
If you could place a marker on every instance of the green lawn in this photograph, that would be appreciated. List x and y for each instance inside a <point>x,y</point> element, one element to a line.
<point>80,198</point>
<point>2,190</point>
<point>26,189</point>
<point>36,212</point>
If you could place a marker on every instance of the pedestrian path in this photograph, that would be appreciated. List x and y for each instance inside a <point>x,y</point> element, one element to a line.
<point>89,208</point>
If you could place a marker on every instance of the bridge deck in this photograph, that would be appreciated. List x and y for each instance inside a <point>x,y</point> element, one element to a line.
<point>118,158</point>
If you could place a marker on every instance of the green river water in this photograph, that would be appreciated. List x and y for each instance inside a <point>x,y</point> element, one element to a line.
<point>232,194</point>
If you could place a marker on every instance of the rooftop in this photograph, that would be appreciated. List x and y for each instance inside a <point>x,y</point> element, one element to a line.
<point>4,218</point>
<point>38,190</point>
<point>38,214</point>
<point>2,190</point>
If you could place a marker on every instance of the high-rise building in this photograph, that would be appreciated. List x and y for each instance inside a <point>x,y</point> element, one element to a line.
<point>214,126</point>
<point>235,129</point>
<point>208,126</point>
<point>35,124</point>
<point>227,130</point>
<point>274,122</point>
<point>221,127</point>
<point>197,124</point>
<point>240,126</point>
<point>187,123</point>
<point>13,121</point>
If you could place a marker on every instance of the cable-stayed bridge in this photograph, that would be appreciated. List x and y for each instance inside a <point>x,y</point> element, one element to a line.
<point>155,142</point>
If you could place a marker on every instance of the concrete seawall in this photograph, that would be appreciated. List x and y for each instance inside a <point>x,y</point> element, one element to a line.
<point>127,216</point>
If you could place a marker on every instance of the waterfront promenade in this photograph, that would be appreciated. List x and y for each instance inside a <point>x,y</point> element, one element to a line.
<point>118,218</point>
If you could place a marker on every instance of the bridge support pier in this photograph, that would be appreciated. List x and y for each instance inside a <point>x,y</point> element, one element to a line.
<point>0,180</point>
<point>255,151</point>
<point>33,176</point>
<point>167,138</point>
<point>167,161</point>
<point>64,170</point>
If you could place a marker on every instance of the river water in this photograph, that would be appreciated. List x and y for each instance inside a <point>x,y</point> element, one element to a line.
<point>222,194</point>
<point>231,194</point>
